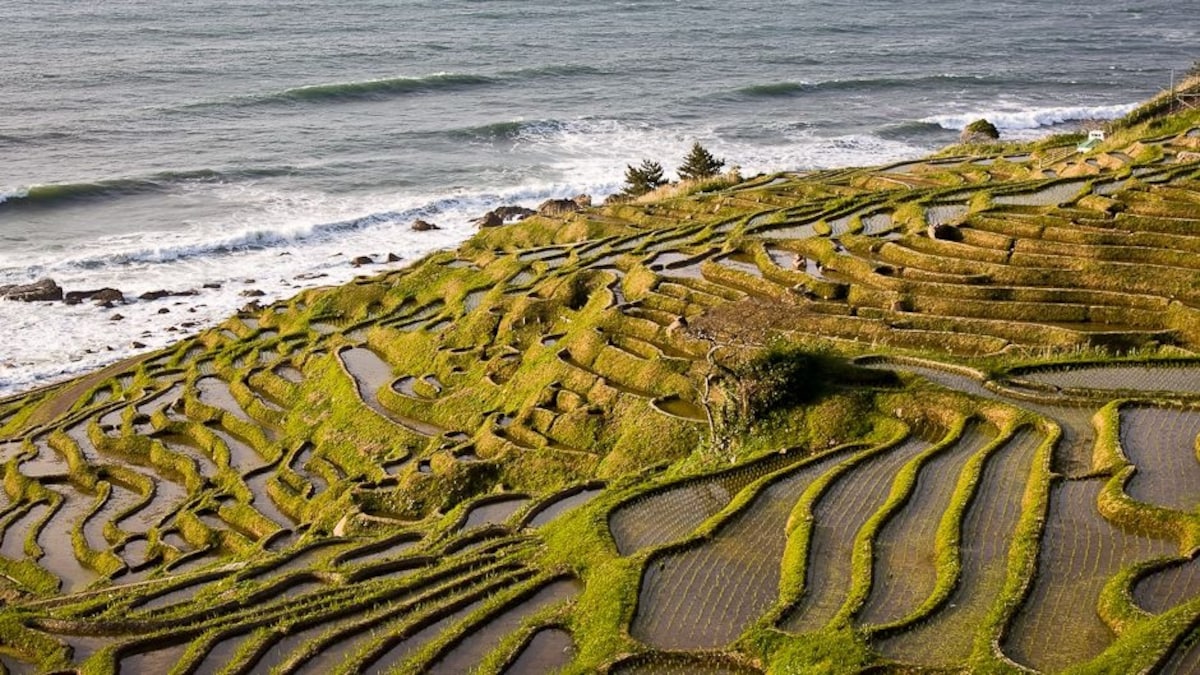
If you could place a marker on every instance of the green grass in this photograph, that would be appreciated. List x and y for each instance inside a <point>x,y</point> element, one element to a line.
<point>548,379</point>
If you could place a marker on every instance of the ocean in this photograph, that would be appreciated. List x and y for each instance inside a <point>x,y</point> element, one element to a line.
<point>252,144</point>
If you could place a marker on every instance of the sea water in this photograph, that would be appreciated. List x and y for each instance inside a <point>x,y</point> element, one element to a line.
<point>254,144</point>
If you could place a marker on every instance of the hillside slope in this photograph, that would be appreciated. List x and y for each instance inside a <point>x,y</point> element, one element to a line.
<point>929,416</point>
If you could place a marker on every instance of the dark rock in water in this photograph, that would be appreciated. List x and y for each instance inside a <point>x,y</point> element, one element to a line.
<point>116,317</point>
<point>43,290</point>
<point>108,295</point>
<point>212,284</point>
<point>102,296</point>
<point>159,294</point>
<point>557,207</point>
<point>362,260</point>
<point>423,226</point>
<point>508,213</point>
<point>252,293</point>
<point>305,276</point>
<point>489,219</point>
<point>252,307</point>
<point>392,257</point>
<point>164,310</point>
<point>979,131</point>
<point>138,345</point>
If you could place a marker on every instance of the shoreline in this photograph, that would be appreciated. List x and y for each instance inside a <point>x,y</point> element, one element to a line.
<point>91,348</point>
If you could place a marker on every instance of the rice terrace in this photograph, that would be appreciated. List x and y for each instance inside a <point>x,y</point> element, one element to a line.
<point>939,416</point>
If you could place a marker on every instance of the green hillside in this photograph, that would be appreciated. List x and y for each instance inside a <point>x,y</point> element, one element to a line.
<point>935,416</point>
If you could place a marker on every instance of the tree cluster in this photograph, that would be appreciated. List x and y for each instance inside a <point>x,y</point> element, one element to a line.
<point>698,164</point>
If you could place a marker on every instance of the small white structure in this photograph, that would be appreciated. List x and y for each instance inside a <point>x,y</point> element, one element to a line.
<point>1095,138</point>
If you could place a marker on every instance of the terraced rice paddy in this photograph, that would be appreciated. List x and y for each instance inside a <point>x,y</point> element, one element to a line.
<point>1181,378</point>
<point>1168,586</point>
<point>1162,444</point>
<point>946,637</point>
<point>493,512</point>
<point>549,650</point>
<point>1185,658</point>
<point>905,549</point>
<point>561,504</point>
<point>670,514</point>
<point>858,418</point>
<point>837,517</point>
<point>703,596</point>
<point>472,647</point>
<point>1080,551</point>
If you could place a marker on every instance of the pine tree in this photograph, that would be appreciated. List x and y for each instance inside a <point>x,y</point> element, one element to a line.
<point>642,179</point>
<point>699,164</point>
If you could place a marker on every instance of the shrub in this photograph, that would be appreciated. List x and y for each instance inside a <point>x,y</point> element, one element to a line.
<point>699,163</point>
<point>642,179</point>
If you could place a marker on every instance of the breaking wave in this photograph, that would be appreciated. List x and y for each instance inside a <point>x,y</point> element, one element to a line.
<point>381,88</point>
<point>1032,118</point>
<point>56,194</point>
<point>861,85</point>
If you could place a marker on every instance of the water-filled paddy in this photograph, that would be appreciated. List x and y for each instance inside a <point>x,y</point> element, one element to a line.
<point>475,645</point>
<point>1080,551</point>
<point>945,638</point>
<point>665,515</point>
<point>839,513</point>
<point>904,571</point>
<point>705,595</point>
<point>549,650</point>
<point>1182,378</point>
<point>1161,443</point>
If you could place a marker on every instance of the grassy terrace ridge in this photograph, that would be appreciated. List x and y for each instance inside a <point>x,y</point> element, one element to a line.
<point>895,419</point>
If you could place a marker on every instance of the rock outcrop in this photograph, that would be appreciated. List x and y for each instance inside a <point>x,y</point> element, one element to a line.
<point>105,297</point>
<point>43,290</point>
<point>159,294</point>
<point>489,219</point>
<point>503,214</point>
<point>979,131</point>
<point>558,207</point>
<point>509,213</point>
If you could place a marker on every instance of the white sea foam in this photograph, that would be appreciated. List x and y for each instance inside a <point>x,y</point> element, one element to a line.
<point>1016,119</point>
<point>314,238</point>
<point>18,193</point>
<point>596,151</point>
